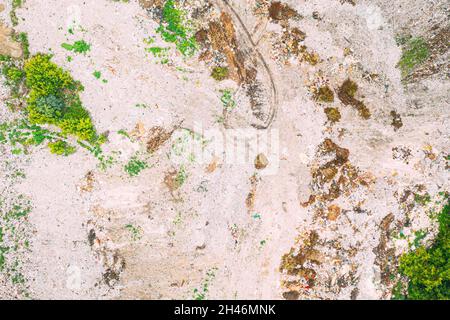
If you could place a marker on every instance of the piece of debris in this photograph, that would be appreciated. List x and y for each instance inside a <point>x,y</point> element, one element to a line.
<point>347,94</point>
<point>396,120</point>
<point>261,161</point>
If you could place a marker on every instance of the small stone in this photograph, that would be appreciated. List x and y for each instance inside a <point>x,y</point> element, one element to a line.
<point>261,161</point>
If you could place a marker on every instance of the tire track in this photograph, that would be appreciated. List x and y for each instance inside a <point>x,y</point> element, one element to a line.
<point>224,5</point>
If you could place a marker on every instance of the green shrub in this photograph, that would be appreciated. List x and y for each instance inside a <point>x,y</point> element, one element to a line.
<point>428,269</point>
<point>54,99</point>
<point>61,148</point>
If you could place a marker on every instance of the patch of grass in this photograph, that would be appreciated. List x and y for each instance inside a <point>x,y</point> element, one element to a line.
<point>20,135</point>
<point>135,166</point>
<point>428,269</point>
<point>415,52</point>
<point>176,28</point>
<point>79,46</point>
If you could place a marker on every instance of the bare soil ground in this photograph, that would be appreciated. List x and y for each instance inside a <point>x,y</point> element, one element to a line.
<point>317,218</point>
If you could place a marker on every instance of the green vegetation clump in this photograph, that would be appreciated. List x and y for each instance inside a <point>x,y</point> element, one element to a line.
<point>175,28</point>
<point>13,74</point>
<point>54,99</point>
<point>227,100</point>
<point>428,269</point>
<point>415,52</point>
<point>79,46</point>
<point>97,74</point>
<point>15,5</point>
<point>220,73</point>
<point>61,148</point>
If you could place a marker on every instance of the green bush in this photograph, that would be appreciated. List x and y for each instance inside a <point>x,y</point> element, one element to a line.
<point>61,148</point>
<point>428,269</point>
<point>45,78</point>
<point>54,99</point>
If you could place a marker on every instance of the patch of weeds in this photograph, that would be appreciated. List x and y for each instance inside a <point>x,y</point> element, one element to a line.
<point>20,135</point>
<point>105,161</point>
<point>324,94</point>
<point>16,4</point>
<point>202,293</point>
<point>23,39</point>
<point>422,199</point>
<point>176,28</point>
<point>181,176</point>
<point>79,46</point>
<point>97,74</point>
<point>61,148</point>
<point>415,52</point>
<point>220,73</point>
<point>427,269</point>
<point>158,52</point>
<point>333,114</point>
<point>136,232</point>
<point>135,166</point>
<point>227,100</point>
